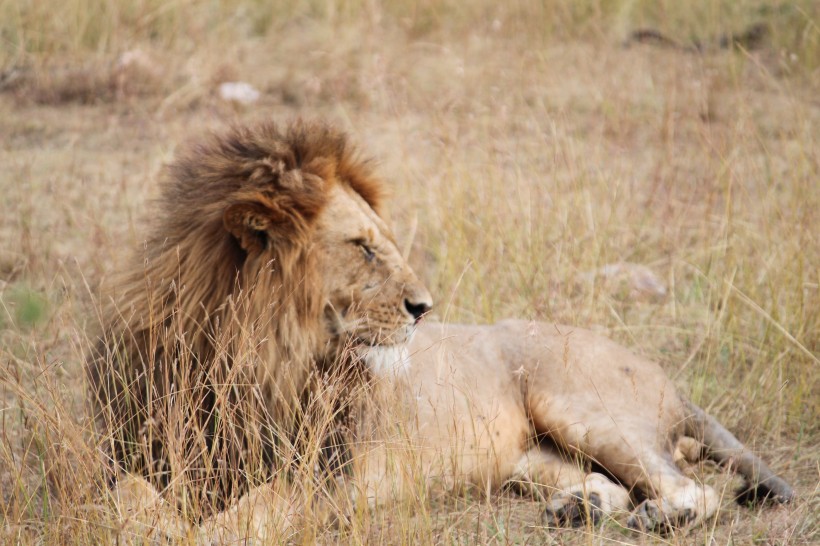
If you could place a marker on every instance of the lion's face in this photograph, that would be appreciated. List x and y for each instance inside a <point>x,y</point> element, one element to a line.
<point>373,298</point>
<point>300,209</point>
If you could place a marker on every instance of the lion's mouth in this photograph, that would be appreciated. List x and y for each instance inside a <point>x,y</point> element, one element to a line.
<point>362,333</point>
<point>358,341</point>
<point>399,337</point>
<point>364,338</point>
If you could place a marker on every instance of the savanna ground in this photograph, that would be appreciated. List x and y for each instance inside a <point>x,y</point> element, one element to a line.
<point>527,145</point>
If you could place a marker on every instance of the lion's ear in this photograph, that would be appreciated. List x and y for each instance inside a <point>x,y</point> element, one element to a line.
<point>250,224</point>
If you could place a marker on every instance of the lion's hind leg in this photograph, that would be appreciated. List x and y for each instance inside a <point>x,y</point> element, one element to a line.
<point>674,501</point>
<point>573,496</point>
<point>688,451</point>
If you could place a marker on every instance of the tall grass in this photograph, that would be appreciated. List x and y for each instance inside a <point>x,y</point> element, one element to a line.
<point>526,145</point>
<point>45,28</point>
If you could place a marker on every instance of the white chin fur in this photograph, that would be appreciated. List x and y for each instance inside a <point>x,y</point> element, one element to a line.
<point>388,360</point>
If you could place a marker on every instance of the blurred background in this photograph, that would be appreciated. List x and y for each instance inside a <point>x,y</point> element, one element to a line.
<point>646,168</point>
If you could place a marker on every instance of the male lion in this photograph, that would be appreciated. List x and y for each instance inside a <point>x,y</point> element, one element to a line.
<point>270,267</point>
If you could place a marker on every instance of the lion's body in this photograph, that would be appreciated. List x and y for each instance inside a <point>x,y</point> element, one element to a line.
<point>532,401</point>
<point>270,269</point>
<point>515,380</point>
<point>477,406</point>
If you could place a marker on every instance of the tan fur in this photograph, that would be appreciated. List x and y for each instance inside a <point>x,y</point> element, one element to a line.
<point>294,260</point>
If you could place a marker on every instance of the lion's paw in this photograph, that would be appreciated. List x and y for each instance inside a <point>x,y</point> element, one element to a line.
<point>650,516</point>
<point>572,510</point>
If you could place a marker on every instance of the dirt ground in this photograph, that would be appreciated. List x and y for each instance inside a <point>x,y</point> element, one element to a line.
<point>520,166</point>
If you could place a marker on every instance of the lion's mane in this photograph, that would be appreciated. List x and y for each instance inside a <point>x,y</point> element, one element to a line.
<point>210,337</point>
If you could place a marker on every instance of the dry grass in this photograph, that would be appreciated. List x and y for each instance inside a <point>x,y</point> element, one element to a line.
<point>525,145</point>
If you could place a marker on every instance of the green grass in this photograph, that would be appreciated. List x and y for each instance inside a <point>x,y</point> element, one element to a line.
<point>24,308</point>
<point>525,146</point>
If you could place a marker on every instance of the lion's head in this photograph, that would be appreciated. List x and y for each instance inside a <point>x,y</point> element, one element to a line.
<point>268,256</point>
<point>368,294</point>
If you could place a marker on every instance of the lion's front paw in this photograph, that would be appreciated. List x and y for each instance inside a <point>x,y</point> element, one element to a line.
<point>649,516</point>
<point>572,510</point>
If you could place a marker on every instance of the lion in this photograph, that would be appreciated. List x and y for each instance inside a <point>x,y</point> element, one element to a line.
<point>271,267</point>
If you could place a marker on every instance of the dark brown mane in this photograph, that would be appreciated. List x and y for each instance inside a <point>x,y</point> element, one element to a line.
<point>215,322</point>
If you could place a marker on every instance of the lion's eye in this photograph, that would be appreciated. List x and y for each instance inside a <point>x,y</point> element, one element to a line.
<point>369,255</point>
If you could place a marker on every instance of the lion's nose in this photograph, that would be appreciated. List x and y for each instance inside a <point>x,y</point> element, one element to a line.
<point>417,309</point>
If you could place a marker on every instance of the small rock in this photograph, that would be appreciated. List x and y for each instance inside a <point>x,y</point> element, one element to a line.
<point>241,92</point>
<point>639,279</point>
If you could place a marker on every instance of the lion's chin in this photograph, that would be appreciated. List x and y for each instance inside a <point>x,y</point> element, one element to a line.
<point>385,360</point>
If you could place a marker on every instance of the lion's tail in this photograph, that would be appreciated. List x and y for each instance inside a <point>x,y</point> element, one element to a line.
<point>723,447</point>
